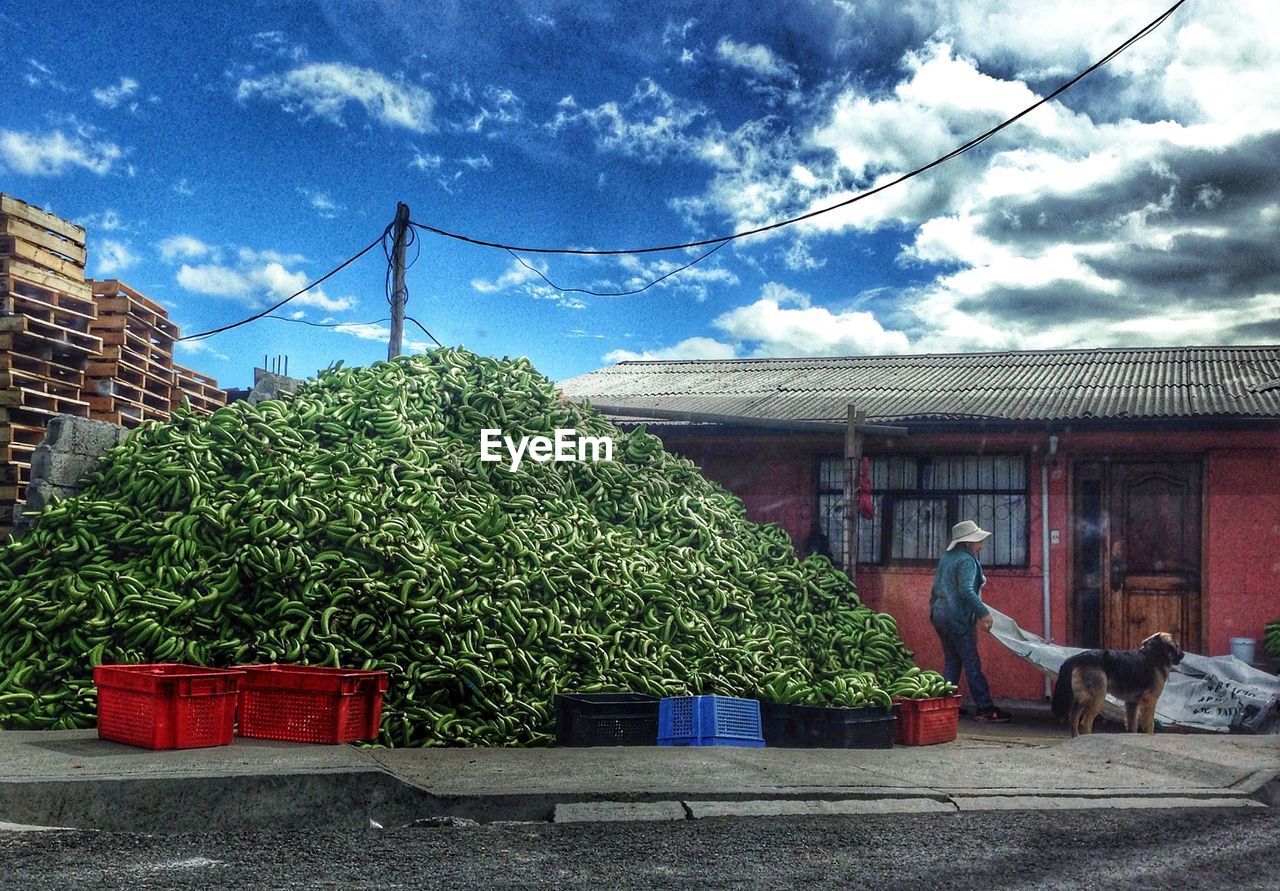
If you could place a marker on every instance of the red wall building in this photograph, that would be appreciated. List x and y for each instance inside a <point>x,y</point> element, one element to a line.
<point>1167,519</point>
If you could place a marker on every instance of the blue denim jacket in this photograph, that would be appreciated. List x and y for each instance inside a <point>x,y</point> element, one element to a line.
<point>956,601</point>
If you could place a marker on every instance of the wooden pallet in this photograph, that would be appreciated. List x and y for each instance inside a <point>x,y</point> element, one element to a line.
<point>131,379</point>
<point>198,390</point>
<point>48,233</point>
<point>56,370</point>
<point>46,311</point>
<point>29,399</point>
<point>114,297</point>
<point>23,333</point>
<point>19,297</point>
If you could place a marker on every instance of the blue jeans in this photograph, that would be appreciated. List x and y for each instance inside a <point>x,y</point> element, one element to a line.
<point>961,651</point>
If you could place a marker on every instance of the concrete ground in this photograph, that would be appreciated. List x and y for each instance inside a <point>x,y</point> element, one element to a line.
<point>73,779</point>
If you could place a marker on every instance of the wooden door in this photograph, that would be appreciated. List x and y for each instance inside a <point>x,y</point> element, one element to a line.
<point>1153,554</point>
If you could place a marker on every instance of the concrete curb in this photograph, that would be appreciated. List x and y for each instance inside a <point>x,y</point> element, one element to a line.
<point>346,798</point>
<point>1262,786</point>
<point>72,778</point>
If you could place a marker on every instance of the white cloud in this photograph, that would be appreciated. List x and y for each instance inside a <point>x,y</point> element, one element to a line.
<point>254,277</point>
<point>677,32</point>
<point>183,247</point>
<point>52,154</point>
<point>755,58</point>
<point>1139,208</point>
<point>425,162</point>
<point>183,187</point>
<point>37,74</point>
<point>325,89</point>
<point>112,96</point>
<point>278,44</point>
<point>783,322</point>
<point>253,284</point>
<point>113,257</point>
<point>695,280</point>
<point>651,125</point>
<point>479,162</point>
<point>689,348</point>
<point>500,106</point>
<point>376,332</point>
<point>200,347</point>
<point>107,221</point>
<point>798,257</point>
<point>322,203</point>
<point>364,330</point>
<point>516,274</point>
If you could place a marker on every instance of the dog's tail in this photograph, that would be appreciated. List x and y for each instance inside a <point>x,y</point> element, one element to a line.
<point>1062,689</point>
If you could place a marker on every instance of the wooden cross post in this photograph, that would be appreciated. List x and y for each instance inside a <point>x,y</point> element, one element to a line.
<point>852,465</point>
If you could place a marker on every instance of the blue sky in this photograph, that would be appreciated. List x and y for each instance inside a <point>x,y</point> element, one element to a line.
<point>220,156</point>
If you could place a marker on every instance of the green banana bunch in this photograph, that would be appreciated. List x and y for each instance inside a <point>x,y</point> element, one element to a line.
<point>353,524</point>
<point>921,684</point>
<point>1271,642</point>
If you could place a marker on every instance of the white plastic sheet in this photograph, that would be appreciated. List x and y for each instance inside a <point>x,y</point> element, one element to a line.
<point>1216,693</point>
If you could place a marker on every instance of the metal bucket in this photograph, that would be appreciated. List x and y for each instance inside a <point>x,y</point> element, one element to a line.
<point>1243,649</point>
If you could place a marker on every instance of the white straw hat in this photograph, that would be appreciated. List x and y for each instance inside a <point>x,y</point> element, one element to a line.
<point>967,530</point>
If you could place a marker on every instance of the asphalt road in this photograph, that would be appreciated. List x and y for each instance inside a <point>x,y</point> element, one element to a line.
<point>1097,849</point>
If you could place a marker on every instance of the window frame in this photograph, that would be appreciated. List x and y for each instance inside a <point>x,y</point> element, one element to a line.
<point>887,500</point>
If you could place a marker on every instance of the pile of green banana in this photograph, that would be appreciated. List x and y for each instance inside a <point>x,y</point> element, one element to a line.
<point>353,525</point>
<point>1271,643</point>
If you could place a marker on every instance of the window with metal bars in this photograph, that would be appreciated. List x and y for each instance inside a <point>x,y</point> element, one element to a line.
<point>917,500</point>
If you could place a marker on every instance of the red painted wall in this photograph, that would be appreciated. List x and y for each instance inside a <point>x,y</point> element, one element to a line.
<point>1242,545</point>
<point>776,478</point>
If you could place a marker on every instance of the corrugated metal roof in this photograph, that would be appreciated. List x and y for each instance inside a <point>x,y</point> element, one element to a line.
<point>1046,385</point>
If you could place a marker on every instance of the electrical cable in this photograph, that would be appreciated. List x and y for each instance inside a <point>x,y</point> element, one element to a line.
<point>348,324</point>
<point>326,324</point>
<point>271,309</point>
<point>971,144</point>
<point>615,293</point>
<point>410,240</point>
<point>424,329</point>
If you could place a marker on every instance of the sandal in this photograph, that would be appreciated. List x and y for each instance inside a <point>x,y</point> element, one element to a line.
<point>993,715</point>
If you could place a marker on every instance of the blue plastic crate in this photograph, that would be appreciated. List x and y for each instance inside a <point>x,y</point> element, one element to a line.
<point>709,721</point>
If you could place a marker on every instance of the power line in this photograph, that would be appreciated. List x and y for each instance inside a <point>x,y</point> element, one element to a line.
<point>424,329</point>
<point>960,150</point>
<point>354,324</point>
<point>271,309</point>
<point>615,293</point>
<point>327,324</point>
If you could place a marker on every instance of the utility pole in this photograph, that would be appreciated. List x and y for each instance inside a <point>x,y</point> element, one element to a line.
<point>852,468</point>
<point>397,280</point>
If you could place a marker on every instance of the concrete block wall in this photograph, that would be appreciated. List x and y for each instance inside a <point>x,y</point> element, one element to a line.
<point>267,385</point>
<point>71,449</point>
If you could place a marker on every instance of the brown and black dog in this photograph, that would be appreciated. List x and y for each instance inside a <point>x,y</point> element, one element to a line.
<point>1135,677</point>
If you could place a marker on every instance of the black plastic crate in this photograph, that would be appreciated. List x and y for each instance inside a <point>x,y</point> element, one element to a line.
<point>606,719</point>
<point>812,727</point>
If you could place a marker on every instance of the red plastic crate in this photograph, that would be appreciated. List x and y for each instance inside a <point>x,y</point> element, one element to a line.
<point>924,722</point>
<point>166,705</point>
<point>302,703</point>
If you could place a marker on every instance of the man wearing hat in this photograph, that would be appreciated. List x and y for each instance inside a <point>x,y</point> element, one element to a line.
<point>956,611</point>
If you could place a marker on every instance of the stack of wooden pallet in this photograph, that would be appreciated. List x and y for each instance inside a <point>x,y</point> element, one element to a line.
<point>46,315</point>
<point>200,391</point>
<point>131,380</point>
